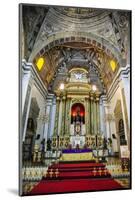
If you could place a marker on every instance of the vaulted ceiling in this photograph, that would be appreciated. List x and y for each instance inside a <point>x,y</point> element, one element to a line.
<point>76,37</point>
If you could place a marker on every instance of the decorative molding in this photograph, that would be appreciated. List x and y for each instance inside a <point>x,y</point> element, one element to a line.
<point>27,66</point>
<point>66,37</point>
<point>125,71</point>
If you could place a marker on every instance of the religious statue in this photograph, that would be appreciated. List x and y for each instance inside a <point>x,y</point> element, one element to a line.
<point>78,121</point>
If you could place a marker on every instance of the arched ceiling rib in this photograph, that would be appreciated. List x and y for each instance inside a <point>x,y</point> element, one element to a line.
<point>63,57</point>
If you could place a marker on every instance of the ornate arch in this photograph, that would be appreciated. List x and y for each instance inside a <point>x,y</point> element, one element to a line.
<point>44,44</point>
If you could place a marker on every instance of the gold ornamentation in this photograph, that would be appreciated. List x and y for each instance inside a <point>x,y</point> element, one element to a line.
<point>105,171</point>
<point>56,172</point>
<point>94,171</point>
<point>51,173</point>
<point>100,171</point>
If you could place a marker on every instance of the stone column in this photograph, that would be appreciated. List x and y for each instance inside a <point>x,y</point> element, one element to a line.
<point>103,115</point>
<point>92,113</point>
<point>106,109</point>
<point>101,118</point>
<point>56,116</point>
<point>67,118</point>
<point>63,116</point>
<point>52,117</point>
<point>60,118</point>
<point>25,112</point>
<point>26,76</point>
<point>26,89</point>
<point>41,120</point>
<point>87,117</point>
<point>47,116</point>
<point>97,114</point>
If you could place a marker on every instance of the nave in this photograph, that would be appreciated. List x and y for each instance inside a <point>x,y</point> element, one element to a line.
<point>75,132</point>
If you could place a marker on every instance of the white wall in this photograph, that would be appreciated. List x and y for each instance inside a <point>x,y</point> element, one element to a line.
<point>112,104</point>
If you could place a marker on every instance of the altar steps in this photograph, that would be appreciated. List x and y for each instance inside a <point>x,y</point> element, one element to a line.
<point>77,161</point>
<point>75,177</point>
<point>76,171</point>
<point>76,165</point>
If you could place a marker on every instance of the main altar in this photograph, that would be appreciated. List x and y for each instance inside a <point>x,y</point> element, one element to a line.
<point>77,155</point>
<point>77,119</point>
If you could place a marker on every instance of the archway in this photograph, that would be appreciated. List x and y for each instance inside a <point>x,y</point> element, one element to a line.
<point>122,132</point>
<point>64,37</point>
<point>120,129</point>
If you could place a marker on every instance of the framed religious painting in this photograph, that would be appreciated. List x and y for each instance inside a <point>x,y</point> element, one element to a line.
<point>75,125</point>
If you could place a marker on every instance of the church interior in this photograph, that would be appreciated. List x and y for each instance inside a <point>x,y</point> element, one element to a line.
<point>75,83</point>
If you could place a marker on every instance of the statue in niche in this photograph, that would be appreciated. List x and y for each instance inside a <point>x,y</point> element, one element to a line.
<point>30,125</point>
<point>63,68</point>
<point>78,121</point>
<point>78,117</point>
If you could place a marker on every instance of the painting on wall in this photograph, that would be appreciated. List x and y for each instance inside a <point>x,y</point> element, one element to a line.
<point>75,133</point>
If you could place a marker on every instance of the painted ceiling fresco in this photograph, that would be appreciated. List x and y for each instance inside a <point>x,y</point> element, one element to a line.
<point>67,38</point>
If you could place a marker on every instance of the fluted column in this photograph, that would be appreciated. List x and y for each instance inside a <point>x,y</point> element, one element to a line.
<point>56,116</point>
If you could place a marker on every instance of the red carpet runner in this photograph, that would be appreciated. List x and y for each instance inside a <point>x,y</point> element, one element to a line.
<point>75,177</point>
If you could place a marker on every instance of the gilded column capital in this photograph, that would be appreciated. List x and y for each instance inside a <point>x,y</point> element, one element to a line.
<point>57,98</point>
<point>92,96</point>
<point>64,98</point>
<point>97,99</point>
<point>87,98</point>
